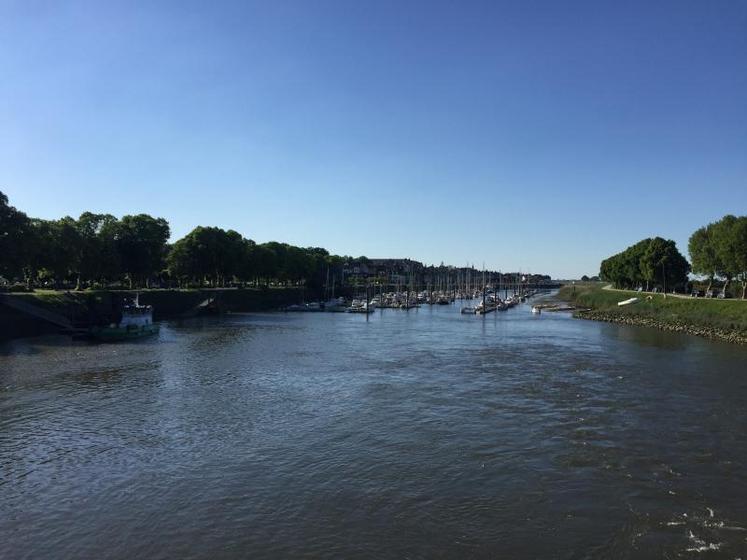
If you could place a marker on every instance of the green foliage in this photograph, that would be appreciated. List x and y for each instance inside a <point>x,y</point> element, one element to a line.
<point>703,253</point>
<point>720,249</point>
<point>99,258</point>
<point>210,254</point>
<point>214,256</point>
<point>14,228</point>
<point>93,248</point>
<point>141,242</point>
<point>650,262</point>
<point>739,248</point>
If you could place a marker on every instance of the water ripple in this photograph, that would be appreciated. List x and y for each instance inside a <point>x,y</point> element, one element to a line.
<point>426,434</point>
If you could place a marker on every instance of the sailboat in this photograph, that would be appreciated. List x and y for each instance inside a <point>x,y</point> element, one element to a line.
<point>332,303</point>
<point>486,306</point>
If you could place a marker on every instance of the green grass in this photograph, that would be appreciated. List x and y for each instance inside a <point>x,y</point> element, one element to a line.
<point>730,314</point>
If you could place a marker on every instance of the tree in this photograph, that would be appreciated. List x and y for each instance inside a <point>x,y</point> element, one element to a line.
<point>703,253</point>
<point>653,261</point>
<point>740,252</point>
<point>265,262</point>
<point>725,248</point>
<point>236,257</point>
<point>14,231</point>
<point>211,254</point>
<point>623,269</point>
<point>297,264</point>
<point>663,264</point>
<point>729,241</point>
<point>54,248</point>
<point>97,254</point>
<point>180,261</point>
<point>279,269</point>
<point>245,265</point>
<point>141,244</point>
<point>110,260</point>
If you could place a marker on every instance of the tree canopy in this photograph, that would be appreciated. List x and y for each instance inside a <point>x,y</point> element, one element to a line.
<point>14,236</point>
<point>720,250</point>
<point>650,262</point>
<point>100,249</point>
<point>95,248</point>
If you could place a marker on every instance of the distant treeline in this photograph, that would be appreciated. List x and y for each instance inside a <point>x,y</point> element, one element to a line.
<point>100,250</point>
<point>718,250</point>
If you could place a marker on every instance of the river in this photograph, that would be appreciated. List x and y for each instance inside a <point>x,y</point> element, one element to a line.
<point>407,434</point>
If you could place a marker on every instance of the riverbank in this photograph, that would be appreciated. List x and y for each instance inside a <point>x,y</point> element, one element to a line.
<point>711,318</point>
<point>88,308</point>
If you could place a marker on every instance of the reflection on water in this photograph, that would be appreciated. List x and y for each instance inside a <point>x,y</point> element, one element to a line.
<point>413,434</point>
<point>652,337</point>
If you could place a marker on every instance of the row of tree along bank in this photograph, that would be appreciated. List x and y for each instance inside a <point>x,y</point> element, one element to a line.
<point>718,252</point>
<point>102,251</point>
<point>712,318</point>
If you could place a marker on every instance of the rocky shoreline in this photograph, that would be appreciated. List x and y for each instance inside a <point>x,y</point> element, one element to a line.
<point>734,337</point>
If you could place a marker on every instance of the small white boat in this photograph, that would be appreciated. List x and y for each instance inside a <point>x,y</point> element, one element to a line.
<point>536,309</point>
<point>627,301</point>
<point>469,310</point>
<point>361,307</point>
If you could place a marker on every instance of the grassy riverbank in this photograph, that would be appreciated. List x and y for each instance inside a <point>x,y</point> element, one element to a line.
<point>713,318</point>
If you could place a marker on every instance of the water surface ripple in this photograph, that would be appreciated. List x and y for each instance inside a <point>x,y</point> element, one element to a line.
<point>420,434</point>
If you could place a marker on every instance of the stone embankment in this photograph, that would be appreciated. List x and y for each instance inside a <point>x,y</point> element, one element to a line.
<point>32,314</point>
<point>735,337</point>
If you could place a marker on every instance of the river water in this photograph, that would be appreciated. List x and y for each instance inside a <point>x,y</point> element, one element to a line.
<point>420,434</point>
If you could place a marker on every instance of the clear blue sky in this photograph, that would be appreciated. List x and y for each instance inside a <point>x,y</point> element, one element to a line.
<point>540,136</point>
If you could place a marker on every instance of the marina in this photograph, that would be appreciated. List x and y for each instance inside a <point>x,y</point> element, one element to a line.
<point>448,289</point>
